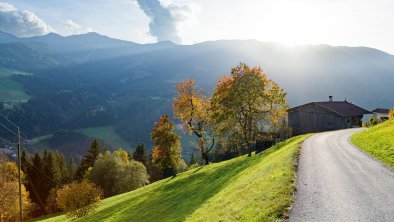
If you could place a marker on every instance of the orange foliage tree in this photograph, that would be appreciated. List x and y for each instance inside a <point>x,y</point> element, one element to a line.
<point>243,103</point>
<point>166,155</point>
<point>192,108</point>
<point>391,113</point>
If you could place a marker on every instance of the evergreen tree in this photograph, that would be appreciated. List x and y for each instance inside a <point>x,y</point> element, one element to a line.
<point>62,169</point>
<point>36,180</point>
<point>72,169</point>
<point>140,154</point>
<point>24,161</point>
<point>192,160</point>
<point>89,159</point>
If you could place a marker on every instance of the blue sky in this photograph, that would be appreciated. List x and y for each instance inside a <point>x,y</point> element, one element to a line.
<point>335,22</point>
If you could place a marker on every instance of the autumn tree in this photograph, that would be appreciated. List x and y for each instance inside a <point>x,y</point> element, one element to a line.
<point>116,174</point>
<point>140,154</point>
<point>88,160</point>
<point>391,113</point>
<point>192,108</point>
<point>78,198</point>
<point>242,102</point>
<point>9,193</point>
<point>166,155</point>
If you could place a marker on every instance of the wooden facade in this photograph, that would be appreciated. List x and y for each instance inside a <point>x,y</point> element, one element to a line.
<point>325,116</point>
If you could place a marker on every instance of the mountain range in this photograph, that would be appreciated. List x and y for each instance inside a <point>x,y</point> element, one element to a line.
<point>85,85</point>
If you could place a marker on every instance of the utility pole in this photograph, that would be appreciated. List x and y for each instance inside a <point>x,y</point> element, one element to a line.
<point>19,176</point>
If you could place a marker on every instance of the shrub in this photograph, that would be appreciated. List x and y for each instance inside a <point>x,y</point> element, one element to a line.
<point>116,174</point>
<point>373,120</point>
<point>51,205</point>
<point>79,198</point>
<point>391,113</point>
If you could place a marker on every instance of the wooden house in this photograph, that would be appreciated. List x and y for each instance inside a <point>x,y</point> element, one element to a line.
<point>325,116</point>
<point>381,114</point>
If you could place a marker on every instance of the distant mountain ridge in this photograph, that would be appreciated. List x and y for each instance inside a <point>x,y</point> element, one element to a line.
<point>91,80</point>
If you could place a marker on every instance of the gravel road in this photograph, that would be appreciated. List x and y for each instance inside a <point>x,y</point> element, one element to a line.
<point>338,182</point>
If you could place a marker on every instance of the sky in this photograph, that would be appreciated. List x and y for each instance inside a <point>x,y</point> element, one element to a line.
<point>334,22</point>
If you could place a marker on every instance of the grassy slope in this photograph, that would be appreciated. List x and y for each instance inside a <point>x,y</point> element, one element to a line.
<point>257,188</point>
<point>378,141</point>
<point>107,134</point>
<point>10,90</point>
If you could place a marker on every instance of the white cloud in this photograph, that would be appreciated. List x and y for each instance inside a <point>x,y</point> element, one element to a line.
<point>168,20</point>
<point>21,23</point>
<point>74,28</point>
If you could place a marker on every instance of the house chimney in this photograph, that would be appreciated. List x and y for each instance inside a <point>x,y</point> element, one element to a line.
<point>330,98</point>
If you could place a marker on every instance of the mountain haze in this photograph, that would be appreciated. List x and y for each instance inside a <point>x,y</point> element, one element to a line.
<point>93,81</point>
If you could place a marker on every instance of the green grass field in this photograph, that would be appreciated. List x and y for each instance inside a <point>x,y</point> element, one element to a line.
<point>257,188</point>
<point>10,90</point>
<point>106,133</point>
<point>378,141</point>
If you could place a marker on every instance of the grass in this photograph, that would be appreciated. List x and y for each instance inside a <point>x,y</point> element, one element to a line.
<point>106,133</point>
<point>10,90</point>
<point>378,141</point>
<point>257,188</point>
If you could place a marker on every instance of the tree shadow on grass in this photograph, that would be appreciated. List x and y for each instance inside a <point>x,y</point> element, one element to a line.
<point>177,198</point>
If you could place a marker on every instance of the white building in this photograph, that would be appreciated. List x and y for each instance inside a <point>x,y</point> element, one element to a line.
<point>381,114</point>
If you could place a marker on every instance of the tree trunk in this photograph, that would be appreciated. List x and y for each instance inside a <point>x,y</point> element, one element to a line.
<point>205,157</point>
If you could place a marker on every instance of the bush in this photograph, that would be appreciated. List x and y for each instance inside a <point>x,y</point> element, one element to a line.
<point>79,198</point>
<point>373,120</point>
<point>116,174</point>
<point>391,113</point>
<point>51,205</point>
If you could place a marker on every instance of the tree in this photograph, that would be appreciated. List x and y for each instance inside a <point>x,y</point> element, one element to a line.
<point>72,169</point>
<point>140,154</point>
<point>373,120</point>
<point>36,181</point>
<point>166,154</point>
<point>192,159</point>
<point>192,108</point>
<point>391,113</point>
<point>89,159</point>
<point>242,102</point>
<point>9,193</point>
<point>79,198</point>
<point>116,174</point>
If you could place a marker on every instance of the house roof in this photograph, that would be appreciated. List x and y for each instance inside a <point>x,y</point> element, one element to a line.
<point>342,108</point>
<point>380,110</point>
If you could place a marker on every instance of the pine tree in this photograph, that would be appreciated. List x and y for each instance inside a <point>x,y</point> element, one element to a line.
<point>140,154</point>
<point>72,169</point>
<point>192,160</point>
<point>89,159</point>
<point>36,180</point>
<point>24,161</point>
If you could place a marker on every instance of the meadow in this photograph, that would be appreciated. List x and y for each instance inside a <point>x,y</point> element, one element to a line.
<point>256,188</point>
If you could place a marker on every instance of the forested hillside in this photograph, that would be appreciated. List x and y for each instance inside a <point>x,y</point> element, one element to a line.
<point>94,82</point>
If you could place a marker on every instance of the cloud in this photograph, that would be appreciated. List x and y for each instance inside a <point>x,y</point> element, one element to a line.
<point>74,28</point>
<point>166,18</point>
<point>21,23</point>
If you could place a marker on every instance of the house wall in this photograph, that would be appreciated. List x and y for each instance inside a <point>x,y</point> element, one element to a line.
<point>312,118</point>
<point>381,116</point>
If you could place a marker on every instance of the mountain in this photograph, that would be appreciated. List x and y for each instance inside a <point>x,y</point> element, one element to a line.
<point>92,83</point>
<point>7,38</point>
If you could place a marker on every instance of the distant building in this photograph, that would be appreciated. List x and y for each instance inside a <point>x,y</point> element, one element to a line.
<point>381,114</point>
<point>325,116</point>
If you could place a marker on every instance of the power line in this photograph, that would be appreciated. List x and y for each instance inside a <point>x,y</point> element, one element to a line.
<point>44,174</point>
<point>24,136</point>
<point>7,141</point>
<point>9,129</point>
<point>9,120</point>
